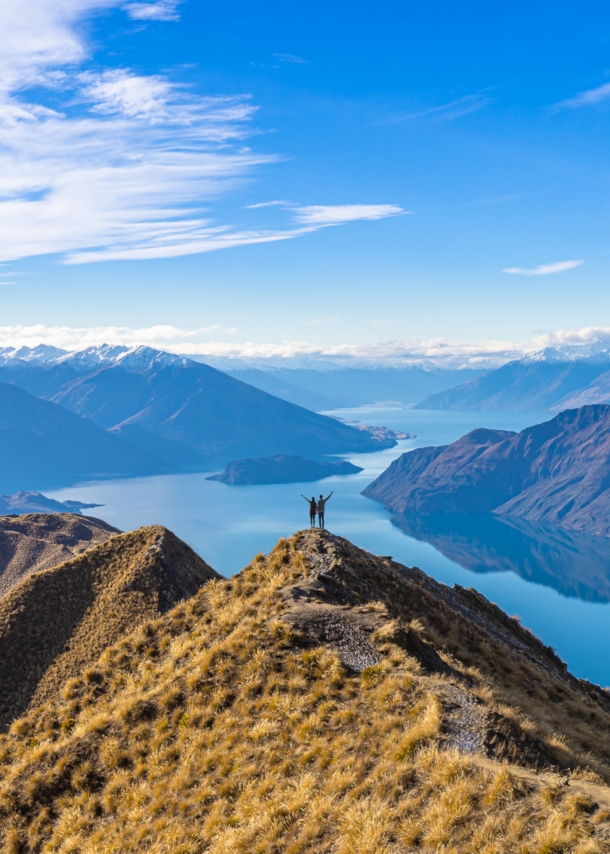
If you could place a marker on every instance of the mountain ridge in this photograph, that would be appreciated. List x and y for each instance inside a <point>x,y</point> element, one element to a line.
<point>56,621</point>
<point>183,401</point>
<point>36,541</point>
<point>557,473</point>
<point>545,381</point>
<point>324,699</point>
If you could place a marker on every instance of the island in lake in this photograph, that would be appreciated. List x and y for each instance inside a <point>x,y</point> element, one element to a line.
<point>281,468</point>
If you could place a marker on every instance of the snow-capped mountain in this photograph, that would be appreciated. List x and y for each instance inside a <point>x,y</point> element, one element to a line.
<point>40,354</point>
<point>598,353</point>
<point>133,359</point>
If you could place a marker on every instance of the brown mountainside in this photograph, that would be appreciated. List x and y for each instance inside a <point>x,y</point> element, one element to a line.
<point>323,701</point>
<point>35,541</point>
<point>58,621</point>
<point>556,473</point>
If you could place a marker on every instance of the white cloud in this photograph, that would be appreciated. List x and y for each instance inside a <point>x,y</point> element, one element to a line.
<point>337,214</point>
<point>128,167</point>
<point>118,92</point>
<point>204,341</point>
<point>588,98</point>
<point>543,269</point>
<point>272,204</point>
<point>79,338</point>
<point>165,10</point>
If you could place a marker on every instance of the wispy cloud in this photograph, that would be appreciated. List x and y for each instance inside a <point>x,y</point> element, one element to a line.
<point>290,57</point>
<point>446,112</point>
<point>543,269</point>
<point>586,99</point>
<point>119,92</point>
<point>129,168</point>
<point>272,204</point>
<point>165,10</point>
<point>337,214</point>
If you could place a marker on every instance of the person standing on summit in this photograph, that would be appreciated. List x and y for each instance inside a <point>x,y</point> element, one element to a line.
<point>321,505</point>
<point>312,510</point>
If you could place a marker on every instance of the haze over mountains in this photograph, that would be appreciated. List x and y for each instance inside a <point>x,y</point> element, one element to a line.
<point>314,384</point>
<point>111,411</point>
<point>556,473</point>
<point>548,381</point>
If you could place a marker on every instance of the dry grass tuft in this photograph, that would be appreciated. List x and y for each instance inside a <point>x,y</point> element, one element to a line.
<point>56,623</point>
<point>213,730</point>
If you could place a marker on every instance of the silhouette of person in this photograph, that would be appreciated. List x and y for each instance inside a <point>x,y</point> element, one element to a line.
<point>312,510</point>
<point>321,506</point>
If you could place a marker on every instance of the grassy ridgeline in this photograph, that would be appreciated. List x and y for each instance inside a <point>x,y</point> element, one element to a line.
<point>222,727</point>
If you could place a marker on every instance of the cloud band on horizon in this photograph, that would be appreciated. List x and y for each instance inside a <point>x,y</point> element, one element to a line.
<point>439,352</point>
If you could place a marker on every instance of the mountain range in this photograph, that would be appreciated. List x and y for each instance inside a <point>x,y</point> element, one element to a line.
<point>324,699</point>
<point>557,473</point>
<point>315,385</point>
<point>110,411</point>
<point>43,444</point>
<point>548,381</point>
<point>336,387</point>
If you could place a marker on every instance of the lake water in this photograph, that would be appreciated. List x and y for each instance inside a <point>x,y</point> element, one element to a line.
<point>558,584</point>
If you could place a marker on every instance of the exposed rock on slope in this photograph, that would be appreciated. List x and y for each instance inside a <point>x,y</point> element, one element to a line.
<point>323,700</point>
<point>56,623</point>
<point>281,469</point>
<point>557,473</point>
<point>38,541</point>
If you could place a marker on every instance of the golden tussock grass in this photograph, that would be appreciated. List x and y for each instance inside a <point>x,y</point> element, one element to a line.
<point>57,622</point>
<point>36,541</point>
<point>212,730</point>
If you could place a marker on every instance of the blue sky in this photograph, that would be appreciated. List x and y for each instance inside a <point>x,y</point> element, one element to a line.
<point>439,172</point>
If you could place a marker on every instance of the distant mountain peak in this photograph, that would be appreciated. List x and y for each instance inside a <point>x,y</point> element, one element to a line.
<point>38,354</point>
<point>598,352</point>
<point>133,359</point>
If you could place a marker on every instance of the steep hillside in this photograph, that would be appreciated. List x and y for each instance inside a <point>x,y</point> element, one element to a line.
<point>185,402</point>
<point>537,383</point>
<point>37,541</point>
<point>324,700</point>
<point>56,622</point>
<point>42,443</point>
<point>598,391</point>
<point>556,473</point>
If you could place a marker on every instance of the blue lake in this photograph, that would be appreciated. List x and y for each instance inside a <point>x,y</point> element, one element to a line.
<point>557,583</point>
